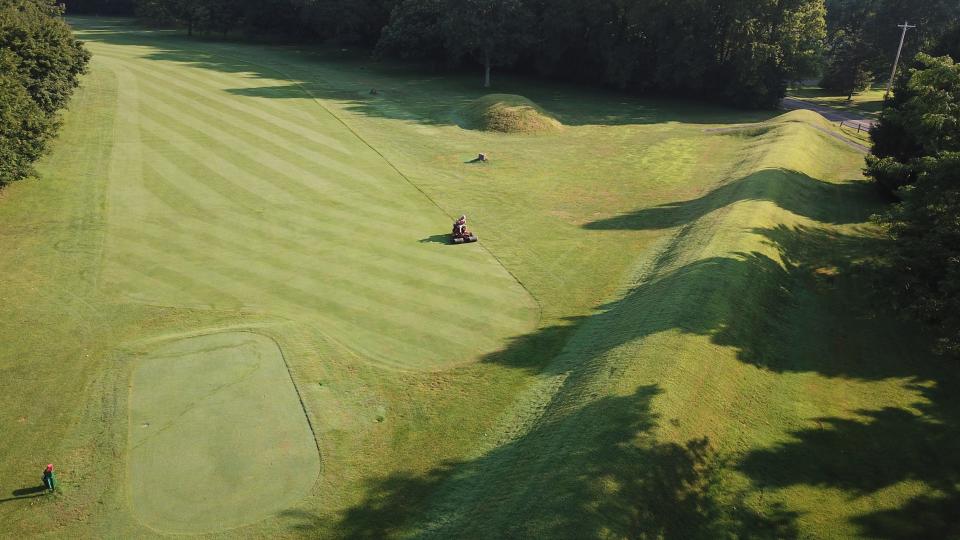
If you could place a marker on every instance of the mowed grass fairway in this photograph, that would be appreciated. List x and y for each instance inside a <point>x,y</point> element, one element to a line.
<point>228,309</point>
<point>217,436</point>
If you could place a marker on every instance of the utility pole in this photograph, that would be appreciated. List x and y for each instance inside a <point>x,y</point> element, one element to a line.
<point>903,37</point>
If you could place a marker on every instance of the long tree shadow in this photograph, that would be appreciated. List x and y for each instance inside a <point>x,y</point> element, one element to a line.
<point>590,463</point>
<point>556,481</point>
<point>791,190</point>
<point>872,450</point>
<point>404,92</point>
<point>876,450</point>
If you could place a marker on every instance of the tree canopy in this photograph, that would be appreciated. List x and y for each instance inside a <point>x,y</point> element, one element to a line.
<point>735,51</point>
<point>863,37</point>
<point>40,63</point>
<point>918,155</point>
<point>922,119</point>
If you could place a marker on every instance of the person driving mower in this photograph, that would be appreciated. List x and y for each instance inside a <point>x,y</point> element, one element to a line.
<point>460,226</point>
<point>461,235</point>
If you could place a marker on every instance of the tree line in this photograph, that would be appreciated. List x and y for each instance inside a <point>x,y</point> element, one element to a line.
<point>740,52</point>
<point>863,38</point>
<point>40,63</point>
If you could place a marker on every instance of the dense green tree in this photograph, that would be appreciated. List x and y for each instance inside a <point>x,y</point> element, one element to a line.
<point>40,63</point>
<point>188,12</point>
<point>918,155</point>
<point>99,7</point>
<point>220,16</point>
<point>764,44</point>
<point>348,22</point>
<point>922,119</point>
<point>932,18</point>
<point>924,263</point>
<point>949,43</point>
<point>494,32</point>
<point>849,59</point>
<point>864,37</point>
<point>737,51</point>
<point>804,33</point>
<point>48,57</point>
<point>24,127</point>
<point>415,30</point>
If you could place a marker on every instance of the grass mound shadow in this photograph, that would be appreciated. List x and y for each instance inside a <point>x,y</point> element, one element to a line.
<point>791,190</point>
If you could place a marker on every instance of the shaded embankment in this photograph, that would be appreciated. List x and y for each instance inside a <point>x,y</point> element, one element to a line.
<point>679,409</point>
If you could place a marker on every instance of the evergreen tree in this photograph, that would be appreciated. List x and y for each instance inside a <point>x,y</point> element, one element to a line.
<point>918,155</point>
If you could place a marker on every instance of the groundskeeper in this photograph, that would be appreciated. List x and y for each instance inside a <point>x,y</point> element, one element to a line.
<point>49,479</point>
<point>460,226</point>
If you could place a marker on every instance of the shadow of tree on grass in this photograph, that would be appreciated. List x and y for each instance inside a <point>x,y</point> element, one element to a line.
<point>405,92</point>
<point>597,470</point>
<point>873,452</point>
<point>592,464</point>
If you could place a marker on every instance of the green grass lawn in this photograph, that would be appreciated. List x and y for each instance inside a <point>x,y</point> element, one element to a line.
<point>196,400</point>
<point>868,103</point>
<point>662,333</point>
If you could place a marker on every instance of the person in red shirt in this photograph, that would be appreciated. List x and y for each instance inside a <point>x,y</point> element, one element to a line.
<point>49,479</point>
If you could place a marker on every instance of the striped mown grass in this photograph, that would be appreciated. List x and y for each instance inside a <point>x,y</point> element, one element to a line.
<point>663,331</point>
<point>283,210</point>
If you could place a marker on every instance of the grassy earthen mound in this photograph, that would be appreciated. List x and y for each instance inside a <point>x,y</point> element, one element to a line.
<point>508,113</point>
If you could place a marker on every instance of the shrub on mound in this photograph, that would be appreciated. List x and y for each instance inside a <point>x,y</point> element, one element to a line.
<point>508,113</point>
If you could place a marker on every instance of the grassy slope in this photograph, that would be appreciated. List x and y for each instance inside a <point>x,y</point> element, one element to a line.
<point>703,365</point>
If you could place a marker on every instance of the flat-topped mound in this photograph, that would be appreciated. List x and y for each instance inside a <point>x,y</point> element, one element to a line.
<point>509,113</point>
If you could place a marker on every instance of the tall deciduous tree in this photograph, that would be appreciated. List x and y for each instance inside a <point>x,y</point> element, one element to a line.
<point>24,127</point>
<point>848,64</point>
<point>922,119</point>
<point>415,30</point>
<point>494,32</point>
<point>40,63</point>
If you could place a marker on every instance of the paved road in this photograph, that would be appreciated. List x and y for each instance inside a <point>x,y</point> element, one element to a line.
<point>849,118</point>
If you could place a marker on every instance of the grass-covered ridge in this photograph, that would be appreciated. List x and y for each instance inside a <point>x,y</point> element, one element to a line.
<point>662,331</point>
<point>508,113</point>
